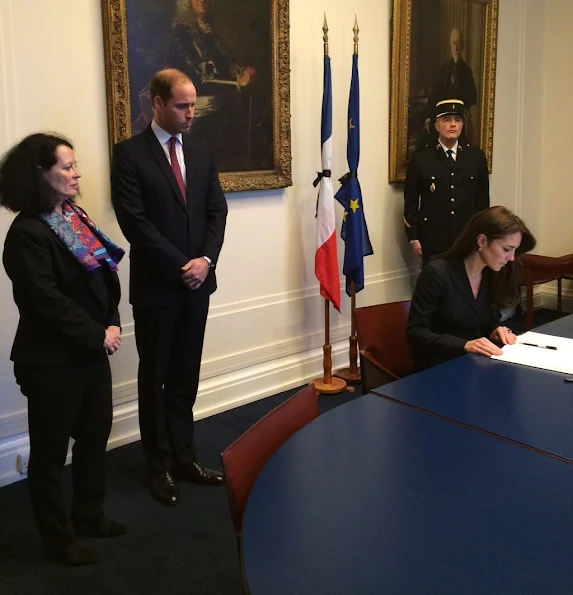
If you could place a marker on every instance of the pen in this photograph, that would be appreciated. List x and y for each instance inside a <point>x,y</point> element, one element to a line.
<point>568,379</point>
<point>542,346</point>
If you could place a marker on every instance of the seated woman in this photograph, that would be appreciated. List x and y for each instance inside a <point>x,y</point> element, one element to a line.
<point>455,307</point>
<point>63,271</point>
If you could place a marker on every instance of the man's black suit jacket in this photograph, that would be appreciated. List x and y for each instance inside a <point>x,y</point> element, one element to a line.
<point>444,313</point>
<point>165,230</point>
<point>440,198</point>
<point>62,316</point>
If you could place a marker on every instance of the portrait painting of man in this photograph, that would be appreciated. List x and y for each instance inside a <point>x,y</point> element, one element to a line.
<point>454,80</point>
<point>447,49</point>
<point>442,49</point>
<point>224,46</point>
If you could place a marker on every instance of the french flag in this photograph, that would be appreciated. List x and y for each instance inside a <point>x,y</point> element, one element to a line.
<point>326,259</point>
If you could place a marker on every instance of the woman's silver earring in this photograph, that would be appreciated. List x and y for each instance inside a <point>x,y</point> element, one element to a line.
<point>480,249</point>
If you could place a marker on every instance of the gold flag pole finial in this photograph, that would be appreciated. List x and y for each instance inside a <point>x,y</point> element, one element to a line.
<point>325,36</point>
<point>355,29</point>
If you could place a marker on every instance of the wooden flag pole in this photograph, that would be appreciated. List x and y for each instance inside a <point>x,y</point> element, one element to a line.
<point>351,374</point>
<point>327,384</point>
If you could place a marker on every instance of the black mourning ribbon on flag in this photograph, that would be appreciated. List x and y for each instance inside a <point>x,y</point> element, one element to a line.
<point>325,173</point>
<point>351,174</point>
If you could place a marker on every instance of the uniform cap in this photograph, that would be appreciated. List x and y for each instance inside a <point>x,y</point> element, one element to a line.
<point>449,106</point>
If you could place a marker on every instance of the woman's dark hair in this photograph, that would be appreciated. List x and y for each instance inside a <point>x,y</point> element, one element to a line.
<point>23,186</point>
<point>495,223</point>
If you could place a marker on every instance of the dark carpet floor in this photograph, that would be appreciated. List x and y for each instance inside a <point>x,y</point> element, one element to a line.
<point>186,550</point>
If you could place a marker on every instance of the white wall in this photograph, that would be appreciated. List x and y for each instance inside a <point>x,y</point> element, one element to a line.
<point>265,330</point>
<point>515,177</point>
<point>557,139</point>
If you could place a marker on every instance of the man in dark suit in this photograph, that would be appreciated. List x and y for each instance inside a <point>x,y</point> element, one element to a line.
<point>445,185</point>
<point>170,206</point>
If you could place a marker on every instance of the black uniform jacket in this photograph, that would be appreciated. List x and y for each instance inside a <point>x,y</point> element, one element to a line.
<point>439,198</point>
<point>165,229</point>
<point>63,315</point>
<point>444,314</point>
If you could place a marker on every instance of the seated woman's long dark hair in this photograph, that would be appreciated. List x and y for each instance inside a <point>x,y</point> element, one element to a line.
<point>495,223</point>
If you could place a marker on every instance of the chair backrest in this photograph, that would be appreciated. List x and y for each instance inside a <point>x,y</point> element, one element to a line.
<point>381,332</point>
<point>534,269</point>
<point>245,458</point>
<point>566,263</point>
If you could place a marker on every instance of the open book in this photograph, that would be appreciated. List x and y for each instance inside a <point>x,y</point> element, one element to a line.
<point>540,351</point>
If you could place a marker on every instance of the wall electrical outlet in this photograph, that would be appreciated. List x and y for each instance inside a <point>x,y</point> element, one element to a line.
<point>22,462</point>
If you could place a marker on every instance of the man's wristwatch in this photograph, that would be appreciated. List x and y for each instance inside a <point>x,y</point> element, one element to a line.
<point>209,262</point>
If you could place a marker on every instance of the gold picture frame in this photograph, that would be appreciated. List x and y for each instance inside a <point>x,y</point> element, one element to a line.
<point>415,53</point>
<point>271,166</point>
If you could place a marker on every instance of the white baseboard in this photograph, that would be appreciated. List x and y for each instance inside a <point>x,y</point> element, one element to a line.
<point>215,395</point>
<point>545,296</point>
<point>275,344</point>
<point>548,297</point>
<point>227,383</point>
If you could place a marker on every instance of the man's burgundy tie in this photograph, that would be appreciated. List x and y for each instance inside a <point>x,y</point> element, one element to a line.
<point>176,168</point>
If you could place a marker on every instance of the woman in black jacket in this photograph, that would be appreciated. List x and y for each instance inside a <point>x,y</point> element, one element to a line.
<point>456,303</point>
<point>63,271</point>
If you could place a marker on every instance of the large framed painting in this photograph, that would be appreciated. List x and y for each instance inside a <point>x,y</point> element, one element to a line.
<point>441,49</point>
<point>236,52</point>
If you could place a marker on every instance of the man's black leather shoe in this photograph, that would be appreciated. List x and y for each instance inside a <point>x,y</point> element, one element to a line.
<point>99,527</point>
<point>72,555</point>
<point>164,489</point>
<point>200,475</point>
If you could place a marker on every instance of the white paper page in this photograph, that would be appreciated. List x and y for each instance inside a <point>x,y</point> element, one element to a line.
<point>558,360</point>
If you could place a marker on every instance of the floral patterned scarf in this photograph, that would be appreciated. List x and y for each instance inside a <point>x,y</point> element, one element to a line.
<point>83,238</point>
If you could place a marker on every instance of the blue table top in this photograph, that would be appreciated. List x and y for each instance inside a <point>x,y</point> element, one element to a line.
<point>526,405</point>
<point>374,497</point>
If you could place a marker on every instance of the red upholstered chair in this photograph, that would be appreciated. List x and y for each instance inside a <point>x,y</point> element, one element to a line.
<point>384,350</point>
<point>533,269</point>
<point>566,263</point>
<point>245,458</point>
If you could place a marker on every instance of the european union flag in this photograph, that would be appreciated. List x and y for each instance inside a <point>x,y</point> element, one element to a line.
<point>354,230</point>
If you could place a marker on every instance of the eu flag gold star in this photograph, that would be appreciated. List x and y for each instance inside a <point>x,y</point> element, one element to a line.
<point>345,215</point>
<point>350,124</point>
<point>354,205</point>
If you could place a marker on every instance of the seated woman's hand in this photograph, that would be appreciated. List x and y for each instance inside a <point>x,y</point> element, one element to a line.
<point>503,335</point>
<point>483,346</point>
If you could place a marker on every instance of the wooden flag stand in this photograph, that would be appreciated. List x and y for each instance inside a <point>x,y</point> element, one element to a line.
<point>351,374</point>
<point>328,384</point>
